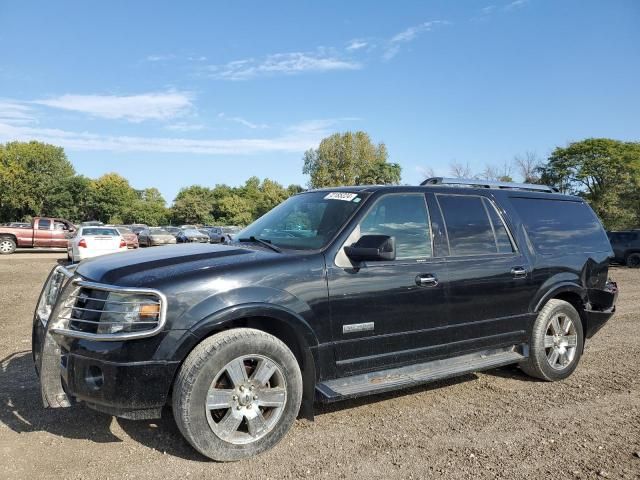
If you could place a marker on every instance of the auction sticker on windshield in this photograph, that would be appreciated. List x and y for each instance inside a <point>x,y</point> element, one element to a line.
<point>347,197</point>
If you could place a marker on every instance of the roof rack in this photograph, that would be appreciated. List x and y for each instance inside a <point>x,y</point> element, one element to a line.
<point>479,183</point>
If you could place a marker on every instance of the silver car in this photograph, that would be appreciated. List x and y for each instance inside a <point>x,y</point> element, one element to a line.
<point>154,236</point>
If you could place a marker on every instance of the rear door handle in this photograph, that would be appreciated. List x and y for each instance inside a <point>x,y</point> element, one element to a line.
<point>426,280</point>
<point>518,272</point>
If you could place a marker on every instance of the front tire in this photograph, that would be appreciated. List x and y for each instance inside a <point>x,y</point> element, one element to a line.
<point>556,342</point>
<point>237,394</point>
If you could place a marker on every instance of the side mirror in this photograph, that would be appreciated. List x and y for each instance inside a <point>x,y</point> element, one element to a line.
<point>372,248</point>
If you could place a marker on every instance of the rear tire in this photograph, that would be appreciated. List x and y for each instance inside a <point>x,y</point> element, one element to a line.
<point>237,394</point>
<point>7,245</point>
<point>633,260</point>
<point>556,342</point>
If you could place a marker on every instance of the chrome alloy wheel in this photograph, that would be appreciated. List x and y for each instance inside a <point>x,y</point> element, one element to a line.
<point>6,246</point>
<point>246,399</point>
<point>560,341</point>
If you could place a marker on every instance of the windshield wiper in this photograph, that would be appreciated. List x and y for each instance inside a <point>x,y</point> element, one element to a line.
<point>266,243</point>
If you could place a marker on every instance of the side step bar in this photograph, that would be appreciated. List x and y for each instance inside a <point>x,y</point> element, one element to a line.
<point>392,379</point>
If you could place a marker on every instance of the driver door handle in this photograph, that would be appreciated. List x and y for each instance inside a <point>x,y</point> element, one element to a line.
<point>426,280</point>
<point>518,272</point>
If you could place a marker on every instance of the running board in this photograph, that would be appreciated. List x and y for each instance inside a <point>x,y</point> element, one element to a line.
<point>392,379</point>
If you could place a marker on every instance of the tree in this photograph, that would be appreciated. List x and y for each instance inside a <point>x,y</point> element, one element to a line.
<point>29,173</point>
<point>149,208</point>
<point>110,196</point>
<point>500,173</point>
<point>528,166</point>
<point>605,172</point>
<point>349,159</point>
<point>193,205</point>
<point>459,170</point>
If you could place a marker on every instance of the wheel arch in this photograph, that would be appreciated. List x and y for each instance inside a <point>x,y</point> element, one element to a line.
<point>570,293</point>
<point>275,320</point>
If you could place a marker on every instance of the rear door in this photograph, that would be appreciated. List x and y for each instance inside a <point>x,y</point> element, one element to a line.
<point>388,313</point>
<point>42,233</point>
<point>490,286</point>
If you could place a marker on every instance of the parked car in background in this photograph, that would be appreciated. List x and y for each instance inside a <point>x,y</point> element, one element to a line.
<point>91,242</point>
<point>128,235</point>
<point>18,225</point>
<point>231,231</point>
<point>626,247</point>
<point>175,231</point>
<point>216,235</point>
<point>383,287</point>
<point>44,232</point>
<point>155,236</point>
<point>191,235</point>
<point>138,227</point>
<point>92,223</point>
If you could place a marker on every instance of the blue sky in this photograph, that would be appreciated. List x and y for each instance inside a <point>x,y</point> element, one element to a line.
<point>171,94</point>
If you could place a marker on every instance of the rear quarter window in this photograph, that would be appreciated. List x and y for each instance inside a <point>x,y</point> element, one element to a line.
<point>561,226</point>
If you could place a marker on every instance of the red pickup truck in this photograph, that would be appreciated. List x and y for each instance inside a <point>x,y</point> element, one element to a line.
<point>45,232</point>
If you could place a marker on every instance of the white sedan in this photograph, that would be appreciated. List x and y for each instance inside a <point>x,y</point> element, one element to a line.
<point>93,241</point>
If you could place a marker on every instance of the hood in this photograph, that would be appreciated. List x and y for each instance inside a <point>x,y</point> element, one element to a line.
<point>152,266</point>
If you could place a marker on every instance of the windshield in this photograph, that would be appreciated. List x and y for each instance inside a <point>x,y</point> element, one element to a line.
<point>189,232</point>
<point>100,231</point>
<point>124,230</point>
<point>306,221</point>
<point>158,231</point>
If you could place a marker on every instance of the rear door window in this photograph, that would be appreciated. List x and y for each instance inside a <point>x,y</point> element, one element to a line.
<point>561,226</point>
<point>44,224</point>
<point>473,226</point>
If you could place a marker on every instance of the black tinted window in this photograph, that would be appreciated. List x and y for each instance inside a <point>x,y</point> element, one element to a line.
<point>403,217</point>
<point>503,241</point>
<point>560,226</point>
<point>44,224</point>
<point>469,228</point>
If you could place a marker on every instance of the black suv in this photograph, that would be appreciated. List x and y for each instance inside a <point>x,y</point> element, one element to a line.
<point>335,293</point>
<point>626,247</point>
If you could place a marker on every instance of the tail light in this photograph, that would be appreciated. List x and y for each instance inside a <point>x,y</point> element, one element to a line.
<point>82,243</point>
<point>123,244</point>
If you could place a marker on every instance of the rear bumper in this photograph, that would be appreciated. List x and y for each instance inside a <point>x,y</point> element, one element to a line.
<point>602,306</point>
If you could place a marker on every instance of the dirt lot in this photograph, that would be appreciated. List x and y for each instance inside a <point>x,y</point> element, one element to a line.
<point>498,424</point>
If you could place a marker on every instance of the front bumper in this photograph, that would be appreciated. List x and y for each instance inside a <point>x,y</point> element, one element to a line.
<point>124,377</point>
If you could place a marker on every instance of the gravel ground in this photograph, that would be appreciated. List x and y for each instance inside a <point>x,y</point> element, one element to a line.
<point>497,424</point>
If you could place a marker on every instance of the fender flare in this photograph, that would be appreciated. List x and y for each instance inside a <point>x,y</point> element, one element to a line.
<point>557,289</point>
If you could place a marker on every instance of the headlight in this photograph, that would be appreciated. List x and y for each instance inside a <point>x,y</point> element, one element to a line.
<point>128,313</point>
<point>51,292</point>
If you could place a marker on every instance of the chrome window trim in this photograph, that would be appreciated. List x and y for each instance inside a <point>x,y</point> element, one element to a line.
<point>112,337</point>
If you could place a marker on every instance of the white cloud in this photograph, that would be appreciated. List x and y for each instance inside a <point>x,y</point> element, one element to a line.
<point>243,121</point>
<point>134,108</point>
<point>408,35</point>
<point>356,45</point>
<point>281,64</point>
<point>488,9</point>
<point>160,58</point>
<point>516,4</point>
<point>296,138</point>
<point>16,113</point>
<point>184,127</point>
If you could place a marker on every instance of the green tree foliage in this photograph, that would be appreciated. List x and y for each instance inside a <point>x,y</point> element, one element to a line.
<point>149,208</point>
<point>349,159</point>
<point>109,197</point>
<point>30,174</point>
<point>193,205</point>
<point>605,172</point>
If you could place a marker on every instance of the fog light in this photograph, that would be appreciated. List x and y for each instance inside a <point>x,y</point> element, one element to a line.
<point>94,378</point>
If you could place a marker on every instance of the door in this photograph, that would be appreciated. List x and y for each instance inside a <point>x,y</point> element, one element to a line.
<point>60,234</point>
<point>42,236</point>
<point>383,313</point>
<point>490,286</point>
